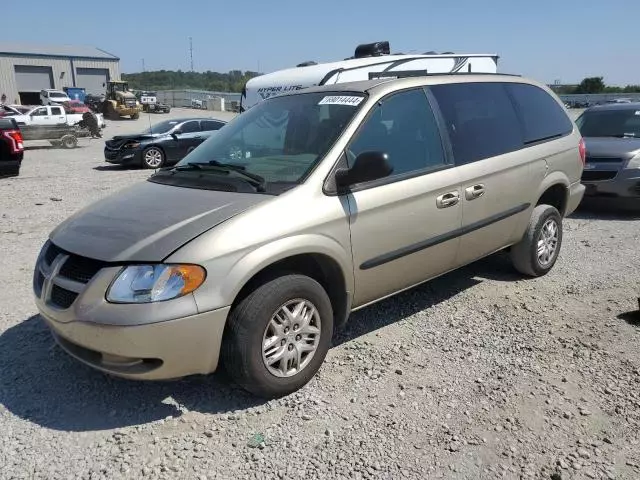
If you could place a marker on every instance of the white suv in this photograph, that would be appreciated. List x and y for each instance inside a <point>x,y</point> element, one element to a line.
<point>53,97</point>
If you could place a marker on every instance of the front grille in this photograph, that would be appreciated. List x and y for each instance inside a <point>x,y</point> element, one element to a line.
<point>598,175</point>
<point>51,253</point>
<point>61,297</point>
<point>80,269</point>
<point>604,159</point>
<point>38,282</point>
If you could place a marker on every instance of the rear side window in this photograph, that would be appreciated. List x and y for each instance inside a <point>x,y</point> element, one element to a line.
<point>542,117</point>
<point>208,125</point>
<point>480,118</point>
<point>56,111</point>
<point>190,127</point>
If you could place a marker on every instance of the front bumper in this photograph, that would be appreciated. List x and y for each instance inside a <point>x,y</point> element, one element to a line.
<point>622,191</point>
<point>153,341</point>
<point>123,156</point>
<point>157,351</point>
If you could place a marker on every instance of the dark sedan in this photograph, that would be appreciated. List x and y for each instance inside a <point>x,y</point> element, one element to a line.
<point>164,143</point>
<point>612,170</point>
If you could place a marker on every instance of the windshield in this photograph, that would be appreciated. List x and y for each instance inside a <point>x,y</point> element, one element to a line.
<point>280,139</point>
<point>162,127</point>
<point>57,95</point>
<point>610,123</point>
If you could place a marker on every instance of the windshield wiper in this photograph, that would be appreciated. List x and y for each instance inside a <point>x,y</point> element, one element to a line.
<point>252,178</point>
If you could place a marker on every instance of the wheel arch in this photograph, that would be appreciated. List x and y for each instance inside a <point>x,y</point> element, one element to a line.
<point>327,263</point>
<point>554,191</point>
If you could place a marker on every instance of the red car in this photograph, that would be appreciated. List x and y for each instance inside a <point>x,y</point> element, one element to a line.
<point>75,106</point>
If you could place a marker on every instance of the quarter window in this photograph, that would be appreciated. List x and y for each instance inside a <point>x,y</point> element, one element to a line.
<point>404,127</point>
<point>542,117</point>
<point>480,118</point>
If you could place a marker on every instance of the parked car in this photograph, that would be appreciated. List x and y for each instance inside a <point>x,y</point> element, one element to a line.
<point>11,148</point>
<point>256,247</point>
<point>164,143</point>
<point>75,106</point>
<point>53,115</point>
<point>53,97</point>
<point>612,170</point>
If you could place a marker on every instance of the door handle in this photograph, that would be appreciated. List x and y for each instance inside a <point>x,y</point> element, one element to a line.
<point>473,192</point>
<point>447,200</point>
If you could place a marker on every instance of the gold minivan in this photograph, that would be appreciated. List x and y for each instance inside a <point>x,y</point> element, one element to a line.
<point>257,246</point>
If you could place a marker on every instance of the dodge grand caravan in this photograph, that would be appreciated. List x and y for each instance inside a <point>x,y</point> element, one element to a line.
<point>301,210</point>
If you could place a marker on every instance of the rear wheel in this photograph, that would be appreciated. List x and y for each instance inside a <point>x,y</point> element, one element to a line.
<point>278,336</point>
<point>69,141</point>
<point>135,116</point>
<point>537,252</point>
<point>153,157</point>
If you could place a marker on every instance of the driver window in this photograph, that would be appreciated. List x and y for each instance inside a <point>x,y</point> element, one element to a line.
<point>40,112</point>
<point>404,127</point>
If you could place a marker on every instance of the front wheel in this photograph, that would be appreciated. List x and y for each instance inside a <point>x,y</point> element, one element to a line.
<point>135,116</point>
<point>278,336</point>
<point>153,157</point>
<point>537,252</point>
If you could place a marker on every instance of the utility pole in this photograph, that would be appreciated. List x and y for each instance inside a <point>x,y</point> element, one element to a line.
<point>191,51</point>
<point>143,69</point>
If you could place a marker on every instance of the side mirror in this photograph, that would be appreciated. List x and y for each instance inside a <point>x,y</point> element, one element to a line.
<point>367,166</point>
<point>175,134</point>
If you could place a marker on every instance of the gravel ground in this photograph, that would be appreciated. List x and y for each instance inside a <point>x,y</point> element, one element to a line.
<point>476,375</point>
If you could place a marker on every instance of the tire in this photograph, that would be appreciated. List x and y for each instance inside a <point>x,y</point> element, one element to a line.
<point>251,320</point>
<point>153,157</point>
<point>69,141</point>
<point>525,255</point>
<point>135,116</point>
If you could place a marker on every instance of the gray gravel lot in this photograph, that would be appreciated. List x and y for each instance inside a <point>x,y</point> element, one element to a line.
<point>479,374</point>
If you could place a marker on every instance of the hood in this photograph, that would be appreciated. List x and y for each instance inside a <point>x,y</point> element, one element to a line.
<point>624,148</point>
<point>120,140</point>
<point>147,221</point>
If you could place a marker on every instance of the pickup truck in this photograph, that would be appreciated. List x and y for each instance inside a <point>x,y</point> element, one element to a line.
<point>52,115</point>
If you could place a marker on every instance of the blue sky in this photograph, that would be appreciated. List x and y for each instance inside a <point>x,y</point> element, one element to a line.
<point>547,40</point>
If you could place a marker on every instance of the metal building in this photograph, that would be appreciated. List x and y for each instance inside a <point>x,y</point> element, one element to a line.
<point>26,69</point>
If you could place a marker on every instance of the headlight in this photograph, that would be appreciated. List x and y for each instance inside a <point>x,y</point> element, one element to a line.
<point>634,162</point>
<point>132,145</point>
<point>154,283</point>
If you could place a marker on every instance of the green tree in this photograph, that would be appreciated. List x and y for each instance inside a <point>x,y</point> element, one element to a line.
<point>591,85</point>
<point>170,80</point>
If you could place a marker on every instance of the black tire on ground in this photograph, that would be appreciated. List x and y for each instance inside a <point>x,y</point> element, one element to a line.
<point>153,157</point>
<point>135,116</point>
<point>525,254</point>
<point>69,141</point>
<point>243,340</point>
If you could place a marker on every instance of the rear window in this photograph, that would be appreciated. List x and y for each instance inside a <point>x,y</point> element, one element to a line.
<point>480,118</point>
<point>618,123</point>
<point>542,117</point>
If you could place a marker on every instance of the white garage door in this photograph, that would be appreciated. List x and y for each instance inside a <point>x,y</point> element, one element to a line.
<point>91,79</point>
<point>31,78</point>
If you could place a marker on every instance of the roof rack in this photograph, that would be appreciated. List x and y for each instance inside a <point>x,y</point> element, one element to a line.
<point>425,73</point>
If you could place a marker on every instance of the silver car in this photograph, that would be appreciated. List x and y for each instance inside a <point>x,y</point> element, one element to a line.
<point>612,171</point>
<point>304,208</point>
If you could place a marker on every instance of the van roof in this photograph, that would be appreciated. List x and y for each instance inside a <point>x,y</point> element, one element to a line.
<point>364,86</point>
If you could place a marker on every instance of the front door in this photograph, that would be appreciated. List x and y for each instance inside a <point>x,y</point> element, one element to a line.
<point>497,175</point>
<point>403,227</point>
<point>41,116</point>
<point>189,138</point>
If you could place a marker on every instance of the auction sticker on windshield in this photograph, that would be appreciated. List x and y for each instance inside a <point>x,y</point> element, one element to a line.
<point>341,100</point>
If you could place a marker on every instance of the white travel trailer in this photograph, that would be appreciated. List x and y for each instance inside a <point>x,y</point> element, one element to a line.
<point>372,58</point>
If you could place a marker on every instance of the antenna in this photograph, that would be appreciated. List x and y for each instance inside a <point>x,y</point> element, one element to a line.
<point>191,51</point>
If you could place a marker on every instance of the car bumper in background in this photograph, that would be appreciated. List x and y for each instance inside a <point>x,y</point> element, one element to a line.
<point>123,157</point>
<point>622,189</point>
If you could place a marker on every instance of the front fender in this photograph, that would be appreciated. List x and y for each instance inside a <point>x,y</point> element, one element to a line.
<point>224,283</point>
